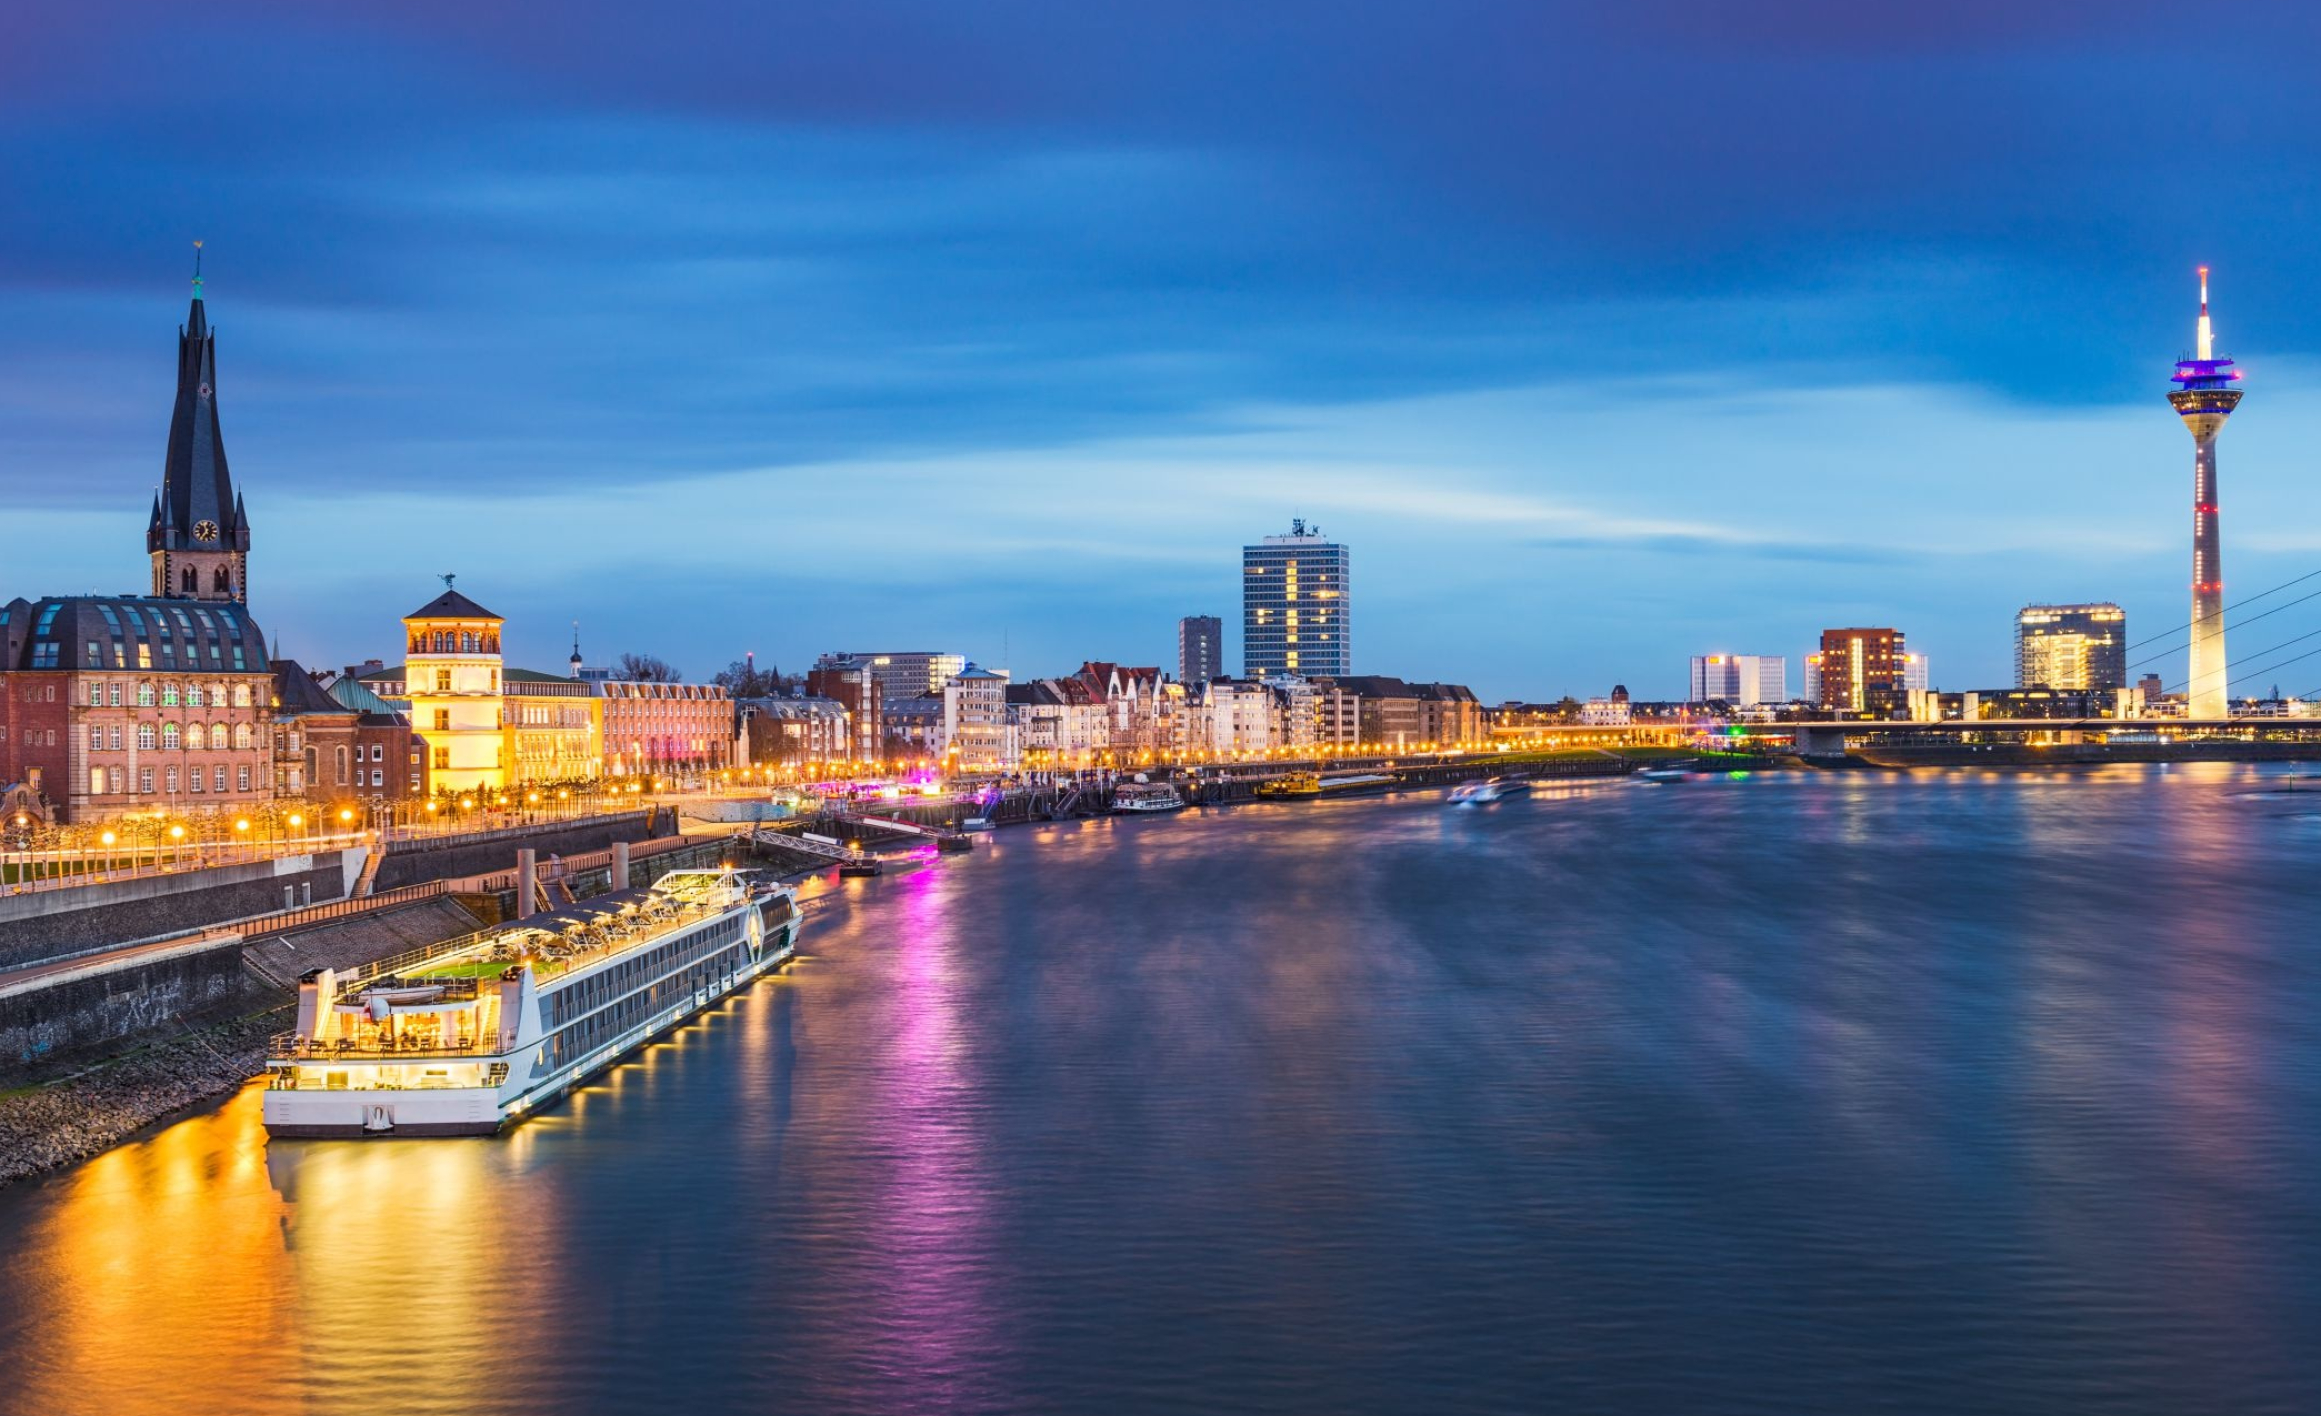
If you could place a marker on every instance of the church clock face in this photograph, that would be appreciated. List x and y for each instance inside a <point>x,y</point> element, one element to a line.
<point>205,530</point>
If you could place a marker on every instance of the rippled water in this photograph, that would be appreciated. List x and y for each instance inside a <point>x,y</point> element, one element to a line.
<point>1804,1093</point>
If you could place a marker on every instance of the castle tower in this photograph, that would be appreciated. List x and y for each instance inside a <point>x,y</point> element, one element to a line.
<point>2204,398</point>
<point>452,677</point>
<point>199,538</point>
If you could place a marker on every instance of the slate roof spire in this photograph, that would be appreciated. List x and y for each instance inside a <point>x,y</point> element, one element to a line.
<point>196,486</point>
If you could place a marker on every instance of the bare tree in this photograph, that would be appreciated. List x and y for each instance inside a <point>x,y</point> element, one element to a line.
<point>744,679</point>
<point>646,668</point>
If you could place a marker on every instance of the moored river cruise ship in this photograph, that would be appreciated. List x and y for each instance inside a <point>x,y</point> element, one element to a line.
<point>466,1039</point>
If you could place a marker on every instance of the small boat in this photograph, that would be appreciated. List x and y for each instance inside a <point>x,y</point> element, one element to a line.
<point>1485,792</point>
<point>1294,786</point>
<point>859,868</point>
<point>1667,772</point>
<point>976,823</point>
<point>1143,798</point>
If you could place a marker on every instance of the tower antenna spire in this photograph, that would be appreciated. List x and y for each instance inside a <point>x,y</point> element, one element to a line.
<point>2207,331</point>
<point>197,269</point>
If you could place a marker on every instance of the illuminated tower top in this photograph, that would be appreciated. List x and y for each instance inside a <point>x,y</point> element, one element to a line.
<point>2204,372</point>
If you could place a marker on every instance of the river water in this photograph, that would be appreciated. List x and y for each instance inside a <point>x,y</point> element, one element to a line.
<point>1933,1092</point>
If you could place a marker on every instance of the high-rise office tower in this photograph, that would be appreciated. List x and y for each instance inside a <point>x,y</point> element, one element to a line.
<point>1740,680</point>
<point>1296,607</point>
<point>2204,398</point>
<point>1856,663</point>
<point>1200,648</point>
<point>2071,646</point>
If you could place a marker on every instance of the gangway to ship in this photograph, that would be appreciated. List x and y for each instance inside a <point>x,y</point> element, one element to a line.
<point>944,840</point>
<point>815,846</point>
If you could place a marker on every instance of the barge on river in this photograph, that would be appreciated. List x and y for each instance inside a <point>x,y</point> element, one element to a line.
<point>468,1039</point>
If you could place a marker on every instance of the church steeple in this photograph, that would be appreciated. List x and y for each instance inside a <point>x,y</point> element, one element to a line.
<point>199,539</point>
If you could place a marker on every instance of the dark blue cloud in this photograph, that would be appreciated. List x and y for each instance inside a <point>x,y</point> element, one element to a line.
<point>594,250</point>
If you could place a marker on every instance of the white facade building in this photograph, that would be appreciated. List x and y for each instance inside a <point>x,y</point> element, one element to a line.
<point>979,732</point>
<point>1741,680</point>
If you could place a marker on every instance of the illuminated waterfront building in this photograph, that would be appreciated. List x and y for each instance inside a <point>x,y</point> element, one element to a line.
<point>1856,664</point>
<point>1200,648</point>
<point>451,684</point>
<point>118,705</point>
<point>2071,646</point>
<point>914,673</point>
<point>1741,680</point>
<point>1914,673</point>
<point>858,685</point>
<point>2204,398</point>
<point>979,733</point>
<point>1296,606</point>
<point>791,732</point>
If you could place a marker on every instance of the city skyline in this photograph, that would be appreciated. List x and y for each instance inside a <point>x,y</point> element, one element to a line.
<point>967,318</point>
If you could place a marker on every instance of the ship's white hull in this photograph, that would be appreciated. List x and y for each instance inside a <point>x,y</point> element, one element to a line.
<point>482,1111</point>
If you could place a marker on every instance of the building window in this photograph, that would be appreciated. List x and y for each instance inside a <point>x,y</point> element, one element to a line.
<point>145,738</point>
<point>114,734</point>
<point>193,695</point>
<point>169,695</point>
<point>145,780</point>
<point>223,583</point>
<point>114,777</point>
<point>169,781</point>
<point>443,720</point>
<point>340,756</point>
<point>443,680</point>
<point>96,692</point>
<point>113,693</point>
<point>241,735</point>
<point>145,695</point>
<point>196,784</point>
<point>443,759</point>
<point>378,777</point>
<point>96,781</point>
<point>169,740</point>
<point>242,778</point>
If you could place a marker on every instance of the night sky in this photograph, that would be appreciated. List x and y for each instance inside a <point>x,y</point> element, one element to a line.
<point>1605,334</point>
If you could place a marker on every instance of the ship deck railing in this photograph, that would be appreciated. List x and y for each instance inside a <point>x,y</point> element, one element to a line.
<point>290,1047</point>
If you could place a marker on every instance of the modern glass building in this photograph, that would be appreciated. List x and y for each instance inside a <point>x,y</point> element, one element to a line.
<point>1296,606</point>
<point>1200,648</point>
<point>1740,680</point>
<point>2071,646</point>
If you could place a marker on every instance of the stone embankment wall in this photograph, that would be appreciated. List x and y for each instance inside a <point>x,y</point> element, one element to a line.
<point>82,1009</point>
<point>48,924</point>
<point>410,862</point>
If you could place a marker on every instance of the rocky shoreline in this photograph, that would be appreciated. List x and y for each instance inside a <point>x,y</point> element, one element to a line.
<point>45,1125</point>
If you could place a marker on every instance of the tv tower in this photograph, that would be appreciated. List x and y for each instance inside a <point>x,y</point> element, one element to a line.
<point>2204,398</point>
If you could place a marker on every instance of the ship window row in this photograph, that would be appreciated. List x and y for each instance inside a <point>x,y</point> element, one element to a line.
<point>625,975</point>
<point>600,1028</point>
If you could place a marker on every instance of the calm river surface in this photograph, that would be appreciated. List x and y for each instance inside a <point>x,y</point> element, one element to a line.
<point>1938,1092</point>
